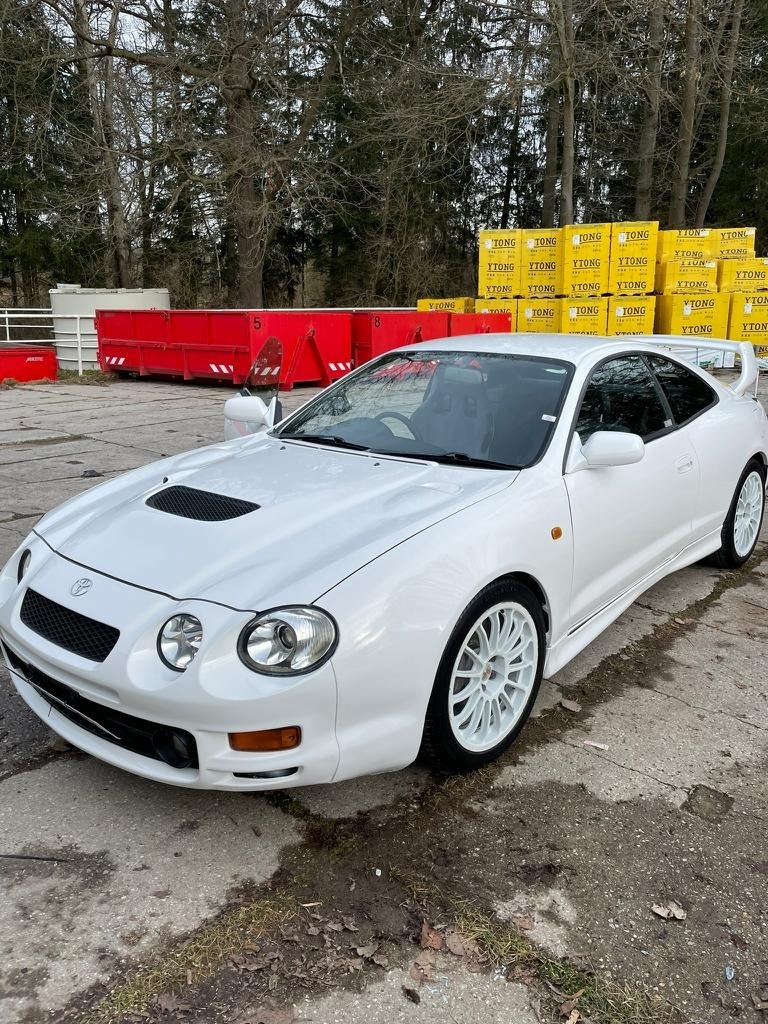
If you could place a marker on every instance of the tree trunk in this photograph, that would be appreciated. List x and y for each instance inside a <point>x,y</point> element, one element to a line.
<point>103,118</point>
<point>180,169</point>
<point>725,113</point>
<point>510,177</point>
<point>246,213</point>
<point>677,208</point>
<point>647,140</point>
<point>27,270</point>
<point>563,12</point>
<point>551,154</point>
<point>512,153</point>
<point>569,152</point>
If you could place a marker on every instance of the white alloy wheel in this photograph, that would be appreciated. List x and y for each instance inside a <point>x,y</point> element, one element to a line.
<point>749,512</point>
<point>493,676</point>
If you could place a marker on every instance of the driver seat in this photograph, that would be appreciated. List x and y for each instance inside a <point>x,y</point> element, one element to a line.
<point>455,414</point>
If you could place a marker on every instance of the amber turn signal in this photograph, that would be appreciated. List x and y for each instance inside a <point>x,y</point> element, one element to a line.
<point>556,532</point>
<point>266,739</point>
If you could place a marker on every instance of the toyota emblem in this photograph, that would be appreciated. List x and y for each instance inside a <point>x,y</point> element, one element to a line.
<point>80,587</point>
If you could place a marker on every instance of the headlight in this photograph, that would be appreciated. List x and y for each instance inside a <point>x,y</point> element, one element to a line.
<point>287,641</point>
<point>179,641</point>
<point>21,569</point>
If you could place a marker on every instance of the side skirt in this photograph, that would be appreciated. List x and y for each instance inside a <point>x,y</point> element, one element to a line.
<point>568,646</point>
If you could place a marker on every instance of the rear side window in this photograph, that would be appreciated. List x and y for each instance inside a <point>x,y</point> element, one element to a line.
<point>622,395</point>
<point>687,394</point>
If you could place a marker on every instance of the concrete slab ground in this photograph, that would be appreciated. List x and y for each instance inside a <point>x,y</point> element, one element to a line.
<point>108,864</point>
<point>455,995</point>
<point>653,792</point>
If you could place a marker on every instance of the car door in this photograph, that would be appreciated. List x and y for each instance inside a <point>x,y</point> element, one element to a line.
<point>627,520</point>
<point>701,417</point>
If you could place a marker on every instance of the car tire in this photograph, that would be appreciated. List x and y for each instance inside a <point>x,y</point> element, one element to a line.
<point>487,680</point>
<point>741,528</point>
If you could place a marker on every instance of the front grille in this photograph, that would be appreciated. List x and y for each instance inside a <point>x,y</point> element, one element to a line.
<point>126,731</point>
<point>203,505</point>
<point>71,630</point>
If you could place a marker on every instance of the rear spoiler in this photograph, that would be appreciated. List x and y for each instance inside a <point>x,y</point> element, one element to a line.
<point>744,349</point>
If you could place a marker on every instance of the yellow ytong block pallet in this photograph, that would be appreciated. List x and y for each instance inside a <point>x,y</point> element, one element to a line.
<point>460,305</point>
<point>540,316</point>
<point>499,263</point>
<point>498,306</point>
<point>733,243</point>
<point>541,254</point>
<point>695,315</point>
<point>742,275</point>
<point>633,257</point>
<point>686,277</point>
<point>631,314</point>
<point>583,316</point>
<point>748,319</point>
<point>686,244</point>
<point>586,258</point>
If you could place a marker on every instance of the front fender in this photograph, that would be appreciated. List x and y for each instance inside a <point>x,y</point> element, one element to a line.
<point>397,613</point>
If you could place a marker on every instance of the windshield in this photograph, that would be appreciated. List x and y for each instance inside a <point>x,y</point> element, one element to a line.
<point>471,408</point>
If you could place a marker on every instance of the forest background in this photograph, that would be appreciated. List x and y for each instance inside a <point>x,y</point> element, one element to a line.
<point>248,153</point>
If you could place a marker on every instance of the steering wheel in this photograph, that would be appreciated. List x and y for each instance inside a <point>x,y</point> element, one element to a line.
<point>393,415</point>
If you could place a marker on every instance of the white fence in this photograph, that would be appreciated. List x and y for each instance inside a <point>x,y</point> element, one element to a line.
<point>44,321</point>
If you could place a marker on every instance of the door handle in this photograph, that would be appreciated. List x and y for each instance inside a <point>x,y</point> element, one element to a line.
<point>684,465</point>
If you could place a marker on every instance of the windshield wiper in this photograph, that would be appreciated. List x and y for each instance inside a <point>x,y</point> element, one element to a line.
<point>469,460</point>
<point>455,458</point>
<point>331,439</point>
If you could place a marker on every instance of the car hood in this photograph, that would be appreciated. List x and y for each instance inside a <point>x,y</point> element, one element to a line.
<point>323,513</point>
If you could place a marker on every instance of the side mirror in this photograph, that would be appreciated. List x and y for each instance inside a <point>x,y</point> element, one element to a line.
<point>605,449</point>
<point>248,414</point>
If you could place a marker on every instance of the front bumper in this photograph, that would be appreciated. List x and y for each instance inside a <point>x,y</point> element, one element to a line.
<point>216,695</point>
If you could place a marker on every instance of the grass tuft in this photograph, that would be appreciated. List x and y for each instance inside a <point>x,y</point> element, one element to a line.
<point>66,376</point>
<point>601,1001</point>
<point>197,958</point>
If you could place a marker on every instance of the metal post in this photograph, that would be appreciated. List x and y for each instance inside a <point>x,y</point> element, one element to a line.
<point>79,349</point>
<point>7,326</point>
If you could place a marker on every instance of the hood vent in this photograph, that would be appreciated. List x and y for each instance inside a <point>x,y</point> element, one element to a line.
<point>203,505</point>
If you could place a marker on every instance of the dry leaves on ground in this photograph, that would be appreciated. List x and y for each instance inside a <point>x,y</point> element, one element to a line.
<point>431,938</point>
<point>523,923</point>
<point>423,967</point>
<point>525,975</point>
<point>672,909</point>
<point>460,946</point>
<point>167,1002</point>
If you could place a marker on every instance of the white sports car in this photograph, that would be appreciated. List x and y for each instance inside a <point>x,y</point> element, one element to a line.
<point>392,569</point>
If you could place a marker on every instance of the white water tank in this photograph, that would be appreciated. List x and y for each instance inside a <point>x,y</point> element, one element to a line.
<point>71,301</point>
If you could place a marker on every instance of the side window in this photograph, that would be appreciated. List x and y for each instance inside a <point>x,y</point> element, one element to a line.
<point>687,394</point>
<point>622,395</point>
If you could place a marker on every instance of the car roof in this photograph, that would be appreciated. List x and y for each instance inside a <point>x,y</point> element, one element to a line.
<point>573,348</point>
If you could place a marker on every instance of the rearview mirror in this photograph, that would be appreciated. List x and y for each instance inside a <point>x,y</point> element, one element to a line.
<point>605,449</point>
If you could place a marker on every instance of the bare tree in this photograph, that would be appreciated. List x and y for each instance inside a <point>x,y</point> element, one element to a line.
<point>690,85</point>
<point>650,122</point>
<point>726,85</point>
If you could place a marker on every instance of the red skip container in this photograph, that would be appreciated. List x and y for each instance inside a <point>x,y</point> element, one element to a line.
<point>480,323</point>
<point>375,332</point>
<point>222,344</point>
<point>27,362</point>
